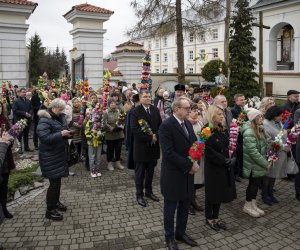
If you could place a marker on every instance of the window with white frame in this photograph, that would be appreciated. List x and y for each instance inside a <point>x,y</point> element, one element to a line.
<point>165,42</point>
<point>149,45</point>
<point>215,34</point>
<point>191,37</point>
<point>157,71</point>
<point>165,71</point>
<point>157,57</point>
<point>165,57</point>
<point>156,43</point>
<point>191,70</point>
<point>202,36</point>
<point>191,55</point>
<point>202,53</point>
<point>215,52</point>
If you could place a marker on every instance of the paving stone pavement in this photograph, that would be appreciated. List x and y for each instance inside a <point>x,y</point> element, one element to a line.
<point>103,214</point>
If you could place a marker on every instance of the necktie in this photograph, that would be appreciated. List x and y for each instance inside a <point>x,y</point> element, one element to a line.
<point>184,129</point>
<point>148,111</point>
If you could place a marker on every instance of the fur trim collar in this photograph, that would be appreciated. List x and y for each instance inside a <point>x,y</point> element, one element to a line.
<point>43,113</point>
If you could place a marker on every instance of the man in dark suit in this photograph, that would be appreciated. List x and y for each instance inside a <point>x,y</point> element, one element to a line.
<point>22,108</point>
<point>177,171</point>
<point>238,107</point>
<point>146,149</point>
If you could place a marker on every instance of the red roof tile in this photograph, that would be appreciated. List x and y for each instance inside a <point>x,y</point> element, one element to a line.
<point>129,51</point>
<point>130,43</point>
<point>90,8</point>
<point>19,2</point>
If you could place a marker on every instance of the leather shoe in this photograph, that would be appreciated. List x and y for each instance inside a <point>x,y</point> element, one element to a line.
<point>187,240</point>
<point>192,211</point>
<point>221,225</point>
<point>197,207</point>
<point>7,214</point>
<point>53,215</point>
<point>238,179</point>
<point>152,197</point>
<point>61,207</point>
<point>298,197</point>
<point>141,202</point>
<point>213,225</point>
<point>171,244</point>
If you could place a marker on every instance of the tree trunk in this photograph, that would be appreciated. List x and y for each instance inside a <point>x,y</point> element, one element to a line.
<point>180,54</point>
<point>226,38</point>
<point>226,34</point>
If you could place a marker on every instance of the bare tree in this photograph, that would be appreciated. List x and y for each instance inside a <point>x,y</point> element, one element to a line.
<point>162,17</point>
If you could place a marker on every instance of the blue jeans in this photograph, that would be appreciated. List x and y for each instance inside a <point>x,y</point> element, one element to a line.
<point>94,157</point>
<point>182,217</point>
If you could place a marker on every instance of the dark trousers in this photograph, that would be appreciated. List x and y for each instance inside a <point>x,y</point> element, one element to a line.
<point>252,188</point>
<point>144,172</point>
<point>181,218</point>
<point>4,190</point>
<point>24,135</point>
<point>53,193</point>
<point>114,149</point>
<point>211,210</point>
<point>297,176</point>
<point>267,186</point>
<point>35,137</point>
<point>78,146</point>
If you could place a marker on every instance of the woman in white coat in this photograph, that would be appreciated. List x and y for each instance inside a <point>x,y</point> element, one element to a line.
<point>272,126</point>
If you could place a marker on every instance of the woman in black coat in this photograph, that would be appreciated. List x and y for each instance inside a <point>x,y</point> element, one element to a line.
<point>53,133</point>
<point>218,169</point>
<point>6,166</point>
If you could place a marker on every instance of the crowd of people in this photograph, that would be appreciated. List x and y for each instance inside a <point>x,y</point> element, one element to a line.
<point>68,128</point>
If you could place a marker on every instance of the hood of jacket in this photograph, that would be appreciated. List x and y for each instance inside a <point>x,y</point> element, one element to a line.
<point>43,113</point>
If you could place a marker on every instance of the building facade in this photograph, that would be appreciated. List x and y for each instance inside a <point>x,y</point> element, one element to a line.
<point>199,48</point>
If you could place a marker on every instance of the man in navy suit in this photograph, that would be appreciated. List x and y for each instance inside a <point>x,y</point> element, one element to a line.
<point>146,150</point>
<point>177,171</point>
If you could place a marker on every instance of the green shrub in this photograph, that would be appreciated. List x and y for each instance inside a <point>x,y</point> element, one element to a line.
<point>22,177</point>
<point>211,70</point>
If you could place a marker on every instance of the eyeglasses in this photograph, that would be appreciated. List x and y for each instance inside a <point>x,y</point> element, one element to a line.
<point>186,108</point>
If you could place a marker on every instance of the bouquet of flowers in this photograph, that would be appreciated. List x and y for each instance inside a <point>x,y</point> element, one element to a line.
<point>286,116</point>
<point>205,133</point>
<point>196,151</point>
<point>275,147</point>
<point>145,127</point>
<point>291,139</point>
<point>17,128</point>
<point>121,120</point>
<point>242,118</point>
<point>233,136</point>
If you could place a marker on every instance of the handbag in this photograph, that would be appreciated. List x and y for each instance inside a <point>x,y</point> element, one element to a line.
<point>73,156</point>
<point>291,166</point>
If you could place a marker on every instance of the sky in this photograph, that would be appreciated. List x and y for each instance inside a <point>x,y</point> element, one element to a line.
<point>48,22</point>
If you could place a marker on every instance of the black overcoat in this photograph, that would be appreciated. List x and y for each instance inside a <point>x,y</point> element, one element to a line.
<point>52,147</point>
<point>20,107</point>
<point>175,181</point>
<point>143,150</point>
<point>219,179</point>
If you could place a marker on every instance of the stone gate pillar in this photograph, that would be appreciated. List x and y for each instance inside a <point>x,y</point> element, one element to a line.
<point>87,35</point>
<point>13,50</point>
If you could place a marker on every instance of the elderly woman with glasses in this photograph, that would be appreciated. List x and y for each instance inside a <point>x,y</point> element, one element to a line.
<point>53,133</point>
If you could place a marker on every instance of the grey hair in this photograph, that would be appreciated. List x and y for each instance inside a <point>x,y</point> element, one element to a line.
<point>57,103</point>
<point>177,102</point>
<point>218,98</point>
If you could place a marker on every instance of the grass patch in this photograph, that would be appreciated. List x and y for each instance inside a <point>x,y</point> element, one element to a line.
<point>22,177</point>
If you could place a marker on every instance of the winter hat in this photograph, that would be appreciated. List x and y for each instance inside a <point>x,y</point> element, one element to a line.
<point>253,113</point>
<point>110,100</point>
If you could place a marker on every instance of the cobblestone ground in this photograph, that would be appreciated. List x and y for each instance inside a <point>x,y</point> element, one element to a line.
<point>103,214</point>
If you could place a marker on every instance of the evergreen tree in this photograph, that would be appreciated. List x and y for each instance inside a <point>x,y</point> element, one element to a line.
<point>64,62</point>
<point>37,52</point>
<point>242,62</point>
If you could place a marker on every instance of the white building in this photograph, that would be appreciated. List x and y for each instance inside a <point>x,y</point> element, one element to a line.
<point>281,49</point>
<point>198,49</point>
<point>13,50</point>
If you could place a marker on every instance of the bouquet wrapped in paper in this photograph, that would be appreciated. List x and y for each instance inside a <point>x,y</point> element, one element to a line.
<point>196,151</point>
<point>145,127</point>
<point>17,128</point>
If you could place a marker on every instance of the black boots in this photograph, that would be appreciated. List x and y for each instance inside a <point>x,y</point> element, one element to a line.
<point>7,214</point>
